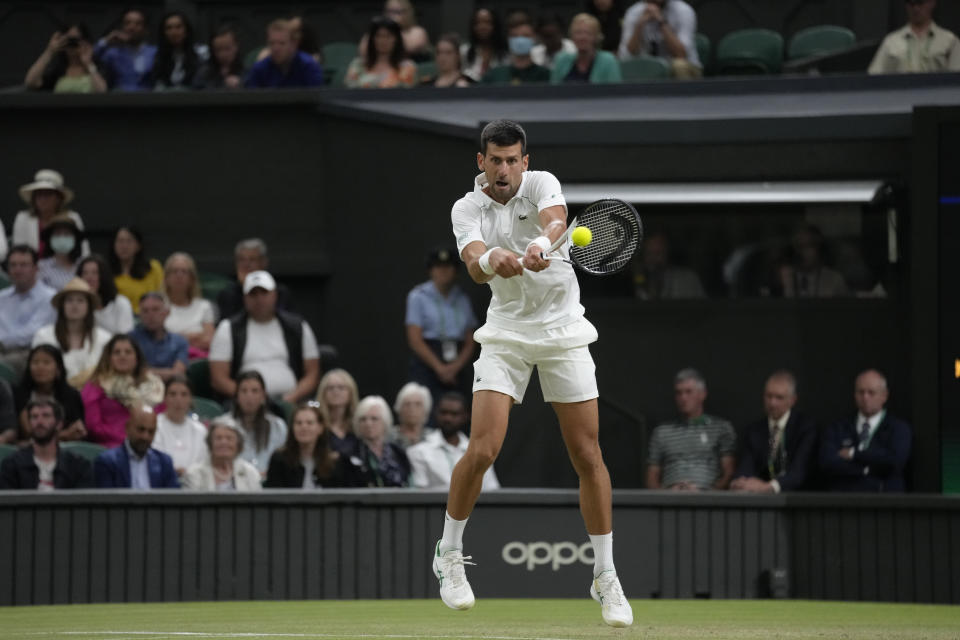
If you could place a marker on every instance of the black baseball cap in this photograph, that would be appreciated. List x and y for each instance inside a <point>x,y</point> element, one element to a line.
<point>441,255</point>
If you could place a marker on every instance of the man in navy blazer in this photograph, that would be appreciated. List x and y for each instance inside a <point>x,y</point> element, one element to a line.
<point>867,452</point>
<point>134,464</point>
<point>778,451</point>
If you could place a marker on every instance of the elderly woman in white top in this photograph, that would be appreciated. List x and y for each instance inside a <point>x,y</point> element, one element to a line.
<point>190,314</point>
<point>225,470</point>
<point>413,405</point>
<point>46,197</point>
<point>263,432</point>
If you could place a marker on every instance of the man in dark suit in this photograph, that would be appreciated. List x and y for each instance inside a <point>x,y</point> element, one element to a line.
<point>134,464</point>
<point>778,451</point>
<point>43,465</point>
<point>869,451</point>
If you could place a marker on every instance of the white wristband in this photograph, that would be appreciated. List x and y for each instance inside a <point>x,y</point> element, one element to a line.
<point>484,261</point>
<point>543,242</point>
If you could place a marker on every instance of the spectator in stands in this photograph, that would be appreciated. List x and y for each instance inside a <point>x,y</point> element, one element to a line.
<point>66,65</point>
<point>124,55</point>
<point>867,452</point>
<point>165,352</point>
<point>180,63</point>
<point>416,42</point>
<point>610,15</point>
<point>440,324</point>
<point>551,41</point>
<point>587,63</point>
<point>45,378</point>
<point>8,414</point>
<point>224,469</point>
<point>920,46</point>
<point>280,345</point>
<point>121,383</point>
<point>413,406</point>
<point>487,47</point>
<point>47,198</point>
<point>777,452</point>
<point>338,396</point>
<point>191,316</point>
<point>655,277</point>
<point>135,464</point>
<point>381,462</point>
<point>179,434</point>
<point>24,307</point>
<point>115,313</point>
<point>286,66</point>
<point>133,273</point>
<point>303,34</point>
<point>432,460</point>
<point>62,244</point>
<point>307,461</point>
<point>665,29</point>
<point>449,63</point>
<point>249,255</point>
<point>806,276</point>
<point>263,432</point>
<point>697,451</point>
<point>75,331</point>
<point>3,244</point>
<point>225,70</point>
<point>385,65</point>
<point>521,68</point>
<point>43,465</point>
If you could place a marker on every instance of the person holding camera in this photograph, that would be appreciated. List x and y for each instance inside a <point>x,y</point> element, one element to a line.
<point>66,65</point>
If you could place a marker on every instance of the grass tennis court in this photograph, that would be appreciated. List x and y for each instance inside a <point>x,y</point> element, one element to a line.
<point>502,619</point>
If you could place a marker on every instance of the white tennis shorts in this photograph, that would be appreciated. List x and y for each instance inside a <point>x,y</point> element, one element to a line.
<point>564,364</point>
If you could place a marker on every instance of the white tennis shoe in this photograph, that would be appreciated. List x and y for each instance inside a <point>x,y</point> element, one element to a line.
<point>455,591</point>
<point>606,590</point>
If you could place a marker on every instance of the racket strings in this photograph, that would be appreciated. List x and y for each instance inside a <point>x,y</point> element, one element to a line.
<point>616,234</point>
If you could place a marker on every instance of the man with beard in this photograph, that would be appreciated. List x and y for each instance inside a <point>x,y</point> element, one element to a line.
<point>124,55</point>
<point>43,465</point>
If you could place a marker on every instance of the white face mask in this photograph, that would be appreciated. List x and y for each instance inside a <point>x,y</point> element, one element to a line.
<point>62,244</point>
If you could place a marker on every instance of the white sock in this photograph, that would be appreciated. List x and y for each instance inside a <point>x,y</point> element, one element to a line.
<point>602,553</point>
<point>452,533</point>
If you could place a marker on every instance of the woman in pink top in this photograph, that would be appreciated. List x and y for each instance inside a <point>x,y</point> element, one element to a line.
<point>120,383</point>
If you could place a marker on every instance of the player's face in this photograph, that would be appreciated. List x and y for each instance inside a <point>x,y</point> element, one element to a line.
<point>504,167</point>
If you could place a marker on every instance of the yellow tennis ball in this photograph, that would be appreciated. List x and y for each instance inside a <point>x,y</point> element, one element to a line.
<point>581,236</point>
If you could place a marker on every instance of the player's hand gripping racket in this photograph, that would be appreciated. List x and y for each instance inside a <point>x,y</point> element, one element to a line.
<point>616,233</point>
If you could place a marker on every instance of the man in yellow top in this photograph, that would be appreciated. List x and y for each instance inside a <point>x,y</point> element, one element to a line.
<point>920,46</point>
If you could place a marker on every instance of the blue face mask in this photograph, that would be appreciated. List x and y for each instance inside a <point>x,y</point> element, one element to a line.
<point>520,45</point>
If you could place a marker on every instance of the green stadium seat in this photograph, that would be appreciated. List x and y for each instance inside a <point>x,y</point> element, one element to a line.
<point>6,450</point>
<point>645,68</point>
<point>198,373</point>
<point>207,409</point>
<point>211,284</point>
<point>88,450</point>
<point>4,281</point>
<point>426,71</point>
<point>251,58</point>
<point>820,41</point>
<point>7,373</point>
<point>337,56</point>
<point>750,51</point>
<point>705,52</point>
<point>287,409</point>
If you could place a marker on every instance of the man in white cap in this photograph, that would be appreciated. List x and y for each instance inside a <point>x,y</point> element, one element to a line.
<point>47,196</point>
<point>278,344</point>
<point>24,307</point>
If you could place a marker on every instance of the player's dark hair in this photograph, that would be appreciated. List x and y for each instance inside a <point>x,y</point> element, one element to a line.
<point>503,133</point>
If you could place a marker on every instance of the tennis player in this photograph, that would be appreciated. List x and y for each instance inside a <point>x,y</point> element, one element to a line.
<point>535,318</point>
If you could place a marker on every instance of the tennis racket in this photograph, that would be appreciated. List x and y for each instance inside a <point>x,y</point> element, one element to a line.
<point>617,232</point>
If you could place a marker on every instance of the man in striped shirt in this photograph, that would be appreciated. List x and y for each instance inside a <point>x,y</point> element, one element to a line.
<point>697,451</point>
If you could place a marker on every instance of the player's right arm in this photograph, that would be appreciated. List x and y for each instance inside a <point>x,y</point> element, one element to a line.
<point>504,263</point>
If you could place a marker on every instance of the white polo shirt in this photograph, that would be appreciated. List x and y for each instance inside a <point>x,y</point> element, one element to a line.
<point>544,300</point>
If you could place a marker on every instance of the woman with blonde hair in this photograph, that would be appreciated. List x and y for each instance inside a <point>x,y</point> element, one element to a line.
<point>589,64</point>
<point>191,315</point>
<point>338,396</point>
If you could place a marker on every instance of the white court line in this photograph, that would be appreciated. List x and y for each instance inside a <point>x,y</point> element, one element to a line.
<point>202,634</point>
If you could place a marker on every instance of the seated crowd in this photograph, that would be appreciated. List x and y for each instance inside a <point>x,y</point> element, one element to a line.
<point>516,50</point>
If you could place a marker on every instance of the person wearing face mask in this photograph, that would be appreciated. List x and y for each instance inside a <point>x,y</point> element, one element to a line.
<point>62,248</point>
<point>520,41</point>
<point>46,198</point>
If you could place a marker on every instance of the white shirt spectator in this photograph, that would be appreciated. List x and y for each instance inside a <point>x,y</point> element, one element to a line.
<point>76,361</point>
<point>265,352</point>
<point>191,318</point>
<point>432,462</point>
<point>26,230</point>
<point>540,56</point>
<point>117,316</point>
<point>679,15</point>
<point>200,477</point>
<point>260,459</point>
<point>186,442</point>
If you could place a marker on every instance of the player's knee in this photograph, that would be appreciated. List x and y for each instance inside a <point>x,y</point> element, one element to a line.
<point>481,456</point>
<point>586,456</point>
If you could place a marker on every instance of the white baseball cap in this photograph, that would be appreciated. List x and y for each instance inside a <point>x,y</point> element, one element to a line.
<point>260,279</point>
